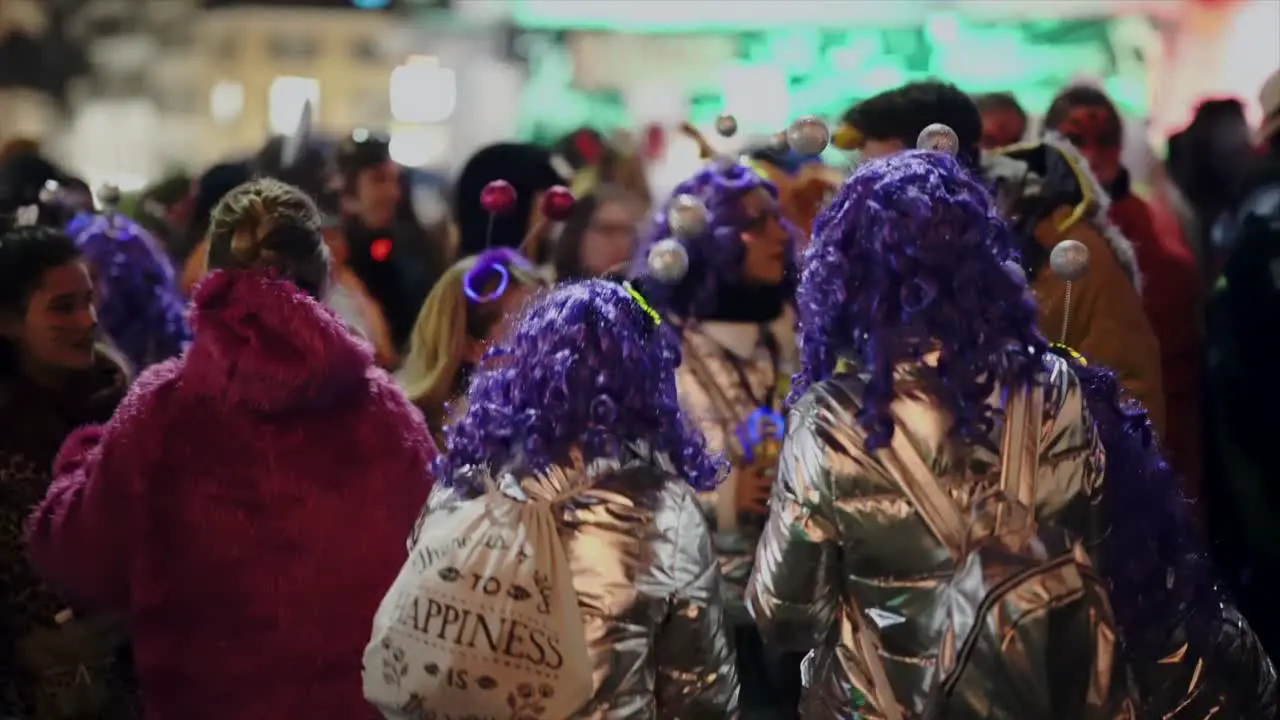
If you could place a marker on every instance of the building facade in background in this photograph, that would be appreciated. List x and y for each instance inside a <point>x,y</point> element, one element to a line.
<point>37,62</point>
<point>131,115</point>
<point>259,66</point>
<point>171,85</point>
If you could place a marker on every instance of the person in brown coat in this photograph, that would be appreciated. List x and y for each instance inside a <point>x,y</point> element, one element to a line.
<point>1048,195</point>
<point>1106,322</point>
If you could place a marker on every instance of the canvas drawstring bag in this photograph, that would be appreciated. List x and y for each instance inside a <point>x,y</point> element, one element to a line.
<point>483,621</point>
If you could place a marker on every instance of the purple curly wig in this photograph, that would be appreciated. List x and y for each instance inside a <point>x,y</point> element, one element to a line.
<point>910,256</point>
<point>141,309</point>
<point>1153,536</point>
<point>716,257</point>
<point>585,367</point>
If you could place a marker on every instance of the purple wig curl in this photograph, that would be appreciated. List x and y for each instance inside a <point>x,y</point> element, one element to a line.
<point>715,257</point>
<point>585,367</point>
<point>911,256</point>
<point>1160,574</point>
<point>141,309</point>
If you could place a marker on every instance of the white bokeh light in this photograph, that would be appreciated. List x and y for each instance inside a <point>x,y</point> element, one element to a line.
<point>757,95</point>
<point>226,101</point>
<point>286,99</point>
<point>417,146</point>
<point>422,91</point>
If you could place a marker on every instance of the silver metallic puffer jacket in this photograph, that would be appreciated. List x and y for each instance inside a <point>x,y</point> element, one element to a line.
<point>714,397</point>
<point>648,587</point>
<point>845,547</point>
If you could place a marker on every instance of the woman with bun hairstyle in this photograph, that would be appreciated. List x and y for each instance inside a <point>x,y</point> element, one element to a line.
<point>579,401</point>
<point>246,507</point>
<point>455,327</point>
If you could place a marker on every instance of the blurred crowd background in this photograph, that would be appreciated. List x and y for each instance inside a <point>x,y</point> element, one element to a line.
<point>132,92</point>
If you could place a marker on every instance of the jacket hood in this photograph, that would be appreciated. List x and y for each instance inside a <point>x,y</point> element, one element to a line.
<point>264,345</point>
<point>1052,168</point>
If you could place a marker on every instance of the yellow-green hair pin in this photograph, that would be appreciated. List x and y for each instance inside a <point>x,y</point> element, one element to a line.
<point>1063,349</point>
<point>644,304</point>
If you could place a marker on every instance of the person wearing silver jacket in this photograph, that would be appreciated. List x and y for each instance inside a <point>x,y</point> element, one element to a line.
<point>719,263</point>
<point>917,328</point>
<point>578,402</point>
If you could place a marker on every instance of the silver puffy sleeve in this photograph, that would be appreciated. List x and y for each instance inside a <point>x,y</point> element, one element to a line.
<point>697,676</point>
<point>793,594</point>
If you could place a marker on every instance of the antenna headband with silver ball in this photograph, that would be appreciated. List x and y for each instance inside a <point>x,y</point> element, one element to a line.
<point>809,136</point>
<point>109,196</point>
<point>939,138</point>
<point>668,259</point>
<point>1069,260</point>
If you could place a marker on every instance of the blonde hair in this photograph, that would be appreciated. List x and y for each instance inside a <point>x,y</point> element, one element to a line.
<point>438,345</point>
<point>266,223</point>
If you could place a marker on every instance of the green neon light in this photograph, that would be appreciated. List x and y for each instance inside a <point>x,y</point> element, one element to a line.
<point>827,70</point>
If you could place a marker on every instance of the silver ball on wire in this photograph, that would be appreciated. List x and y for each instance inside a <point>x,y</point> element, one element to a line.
<point>49,193</point>
<point>687,217</point>
<point>727,125</point>
<point>1069,260</point>
<point>668,261</point>
<point>809,136</point>
<point>109,196</point>
<point>939,138</point>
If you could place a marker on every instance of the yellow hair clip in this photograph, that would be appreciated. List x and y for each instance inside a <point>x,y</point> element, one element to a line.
<point>1069,352</point>
<point>644,304</point>
<point>847,137</point>
<point>758,168</point>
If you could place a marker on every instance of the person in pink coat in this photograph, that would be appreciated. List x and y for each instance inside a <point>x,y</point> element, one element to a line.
<point>246,507</point>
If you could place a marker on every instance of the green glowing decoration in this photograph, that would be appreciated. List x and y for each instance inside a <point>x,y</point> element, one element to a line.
<point>828,69</point>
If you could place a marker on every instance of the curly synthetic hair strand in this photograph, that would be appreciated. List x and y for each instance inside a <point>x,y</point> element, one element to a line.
<point>585,368</point>
<point>715,256</point>
<point>910,257</point>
